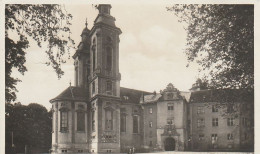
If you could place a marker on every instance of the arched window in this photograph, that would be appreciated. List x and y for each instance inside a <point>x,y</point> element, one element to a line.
<point>94,57</point>
<point>63,120</point>
<point>109,119</point>
<point>80,121</point>
<point>135,124</point>
<point>93,88</point>
<point>109,58</point>
<point>123,123</point>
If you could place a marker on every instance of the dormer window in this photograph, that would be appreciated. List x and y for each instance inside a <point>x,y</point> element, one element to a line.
<point>126,97</point>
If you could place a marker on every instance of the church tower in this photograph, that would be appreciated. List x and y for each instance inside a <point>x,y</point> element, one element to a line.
<point>82,60</point>
<point>104,83</point>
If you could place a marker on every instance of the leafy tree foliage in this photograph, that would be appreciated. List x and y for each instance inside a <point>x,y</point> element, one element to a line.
<point>30,125</point>
<point>220,38</point>
<point>41,23</point>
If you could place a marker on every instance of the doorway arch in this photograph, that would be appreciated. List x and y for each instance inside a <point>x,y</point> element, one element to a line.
<point>169,144</point>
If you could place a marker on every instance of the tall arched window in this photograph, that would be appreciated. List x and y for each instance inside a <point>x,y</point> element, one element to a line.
<point>94,53</point>
<point>135,124</point>
<point>76,72</point>
<point>109,58</point>
<point>63,120</point>
<point>109,119</point>
<point>94,57</point>
<point>80,121</point>
<point>93,120</point>
<point>80,118</point>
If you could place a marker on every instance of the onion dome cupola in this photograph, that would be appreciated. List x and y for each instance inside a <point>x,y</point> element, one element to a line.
<point>85,40</point>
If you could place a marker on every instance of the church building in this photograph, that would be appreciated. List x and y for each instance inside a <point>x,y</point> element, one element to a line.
<point>98,115</point>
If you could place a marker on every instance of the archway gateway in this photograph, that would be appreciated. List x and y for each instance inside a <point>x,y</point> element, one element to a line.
<point>169,144</point>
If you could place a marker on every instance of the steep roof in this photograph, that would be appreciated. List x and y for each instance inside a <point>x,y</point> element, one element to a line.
<point>72,94</point>
<point>151,98</point>
<point>186,95</point>
<point>221,95</point>
<point>131,95</point>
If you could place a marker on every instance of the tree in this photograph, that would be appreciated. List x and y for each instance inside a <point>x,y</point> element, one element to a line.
<point>220,38</point>
<point>30,125</point>
<point>40,23</point>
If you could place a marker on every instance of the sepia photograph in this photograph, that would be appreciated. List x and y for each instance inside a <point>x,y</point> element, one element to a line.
<point>129,78</point>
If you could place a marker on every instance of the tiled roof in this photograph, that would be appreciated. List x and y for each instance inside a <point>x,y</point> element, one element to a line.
<point>72,93</point>
<point>131,95</point>
<point>151,98</point>
<point>221,95</point>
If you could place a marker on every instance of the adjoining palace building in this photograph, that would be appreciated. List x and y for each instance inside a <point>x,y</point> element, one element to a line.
<point>97,115</point>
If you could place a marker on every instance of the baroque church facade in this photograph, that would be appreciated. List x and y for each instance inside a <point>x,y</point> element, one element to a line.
<point>97,115</point>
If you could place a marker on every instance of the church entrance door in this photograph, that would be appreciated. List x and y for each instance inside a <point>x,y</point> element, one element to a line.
<point>169,144</point>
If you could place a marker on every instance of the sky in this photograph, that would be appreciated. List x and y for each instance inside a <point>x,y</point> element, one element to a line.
<point>151,53</point>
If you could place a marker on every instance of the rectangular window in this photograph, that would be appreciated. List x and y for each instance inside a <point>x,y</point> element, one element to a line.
<point>214,108</point>
<point>150,110</point>
<point>170,106</point>
<point>230,136</point>
<point>215,122</point>
<point>93,120</point>
<point>230,108</point>
<point>200,110</point>
<point>150,124</point>
<point>64,151</point>
<point>151,134</point>
<point>214,137</point>
<point>151,143</point>
<point>135,124</point>
<point>245,136</point>
<point>123,123</point>
<point>109,119</point>
<point>80,151</point>
<point>200,123</point>
<point>201,137</point>
<point>64,120</point>
<point>244,121</point>
<point>230,121</point>
<point>80,121</point>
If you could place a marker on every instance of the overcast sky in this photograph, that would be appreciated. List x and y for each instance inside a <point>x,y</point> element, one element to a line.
<point>151,52</point>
